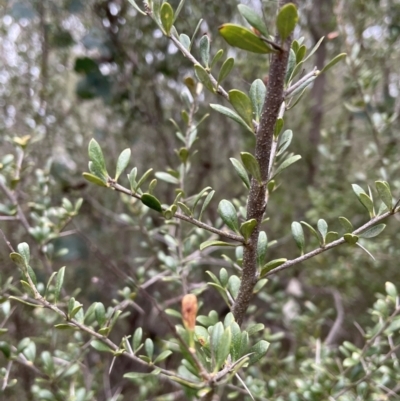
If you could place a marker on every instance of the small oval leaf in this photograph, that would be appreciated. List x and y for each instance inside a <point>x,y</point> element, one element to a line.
<point>251,165</point>
<point>242,38</point>
<point>151,201</point>
<point>228,214</point>
<point>167,17</point>
<point>286,20</point>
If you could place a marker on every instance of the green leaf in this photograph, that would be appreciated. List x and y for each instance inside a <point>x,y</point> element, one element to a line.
<point>322,228</point>
<point>223,277</point>
<point>167,177</point>
<point>228,214</point>
<point>199,196</point>
<point>167,17</point>
<point>286,164</point>
<point>206,203</point>
<point>215,339</point>
<point>149,348</point>
<point>231,114</point>
<point>251,165</point>
<point>226,69</point>
<point>242,38</point>
<point>185,40</point>
<point>23,249</point>
<point>348,227</point>
<point>94,180</point>
<point>262,246</point>
<point>331,236</point>
<point>247,228</point>
<point>315,48</point>
<point>164,355</point>
<point>286,20</point>
<point>290,66</point>
<point>365,200</point>
<point>179,9</point>
<point>100,313</point>
<point>257,94</point>
<point>195,32</point>
<point>271,265</point>
<point>234,285</point>
<point>373,231</point>
<point>99,346</point>
<point>385,193</point>
<point>350,238</point>
<point>253,19</point>
<point>18,259</point>
<point>242,104</point>
<point>185,209</point>
<point>122,163</point>
<point>223,348</point>
<point>96,156</point>
<point>144,177</point>
<point>137,7</point>
<point>59,284</point>
<point>216,58</point>
<point>151,201</point>
<point>284,141</point>
<point>298,235</point>
<point>137,339</point>
<point>259,350</point>
<point>242,173</point>
<point>205,50</point>
<point>203,76</point>
<point>301,53</point>
<point>278,127</point>
<point>334,61</point>
<point>207,244</point>
<point>313,231</point>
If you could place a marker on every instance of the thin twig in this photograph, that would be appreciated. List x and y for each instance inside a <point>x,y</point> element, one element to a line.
<point>331,245</point>
<point>183,217</point>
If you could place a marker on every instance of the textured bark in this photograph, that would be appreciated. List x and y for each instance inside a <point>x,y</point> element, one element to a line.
<point>256,201</point>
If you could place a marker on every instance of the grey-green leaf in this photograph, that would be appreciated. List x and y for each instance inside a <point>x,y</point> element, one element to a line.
<point>385,193</point>
<point>373,231</point>
<point>96,156</point>
<point>231,114</point>
<point>262,246</point>
<point>206,203</point>
<point>298,235</point>
<point>122,163</point>
<point>247,228</point>
<point>59,283</point>
<point>259,350</point>
<point>229,215</point>
<point>242,173</point>
<point>207,244</point>
<point>226,69</point>
<point>253,19</point>
<point>348,227</point>
<point>242,104</point>
<point>286,164</point>
<point>334,61</point>
<point>322,228</point>
<point>251,165</point>
<point>284,141</point>
<point>203,77</point>
<point>205,50</point>
<point>257,94</point>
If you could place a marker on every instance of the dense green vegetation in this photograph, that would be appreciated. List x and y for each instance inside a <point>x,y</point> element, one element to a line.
<point>191,126</point>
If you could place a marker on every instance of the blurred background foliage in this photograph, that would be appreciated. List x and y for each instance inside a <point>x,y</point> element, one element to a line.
<point>71,70</point>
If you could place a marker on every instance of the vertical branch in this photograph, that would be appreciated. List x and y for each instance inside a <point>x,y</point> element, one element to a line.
<point>256,202</point>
